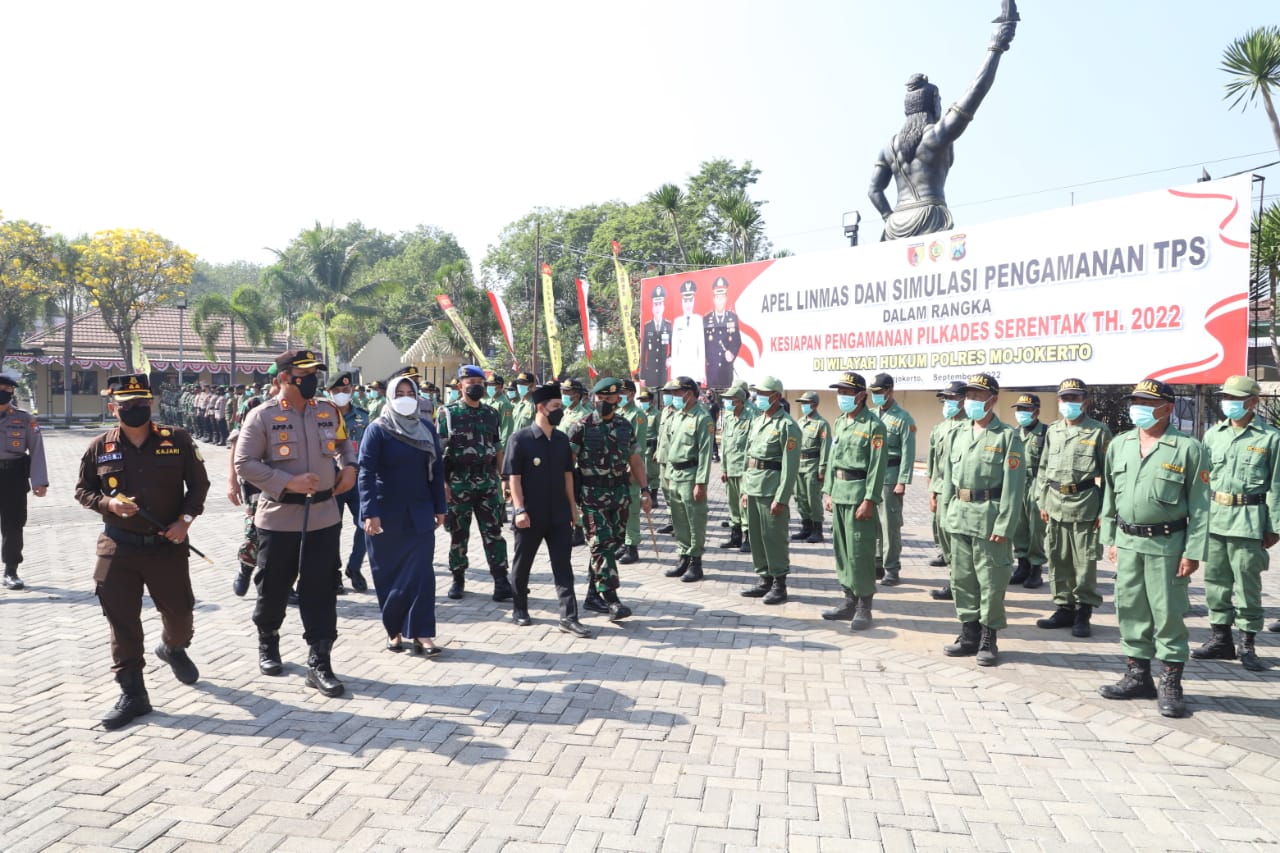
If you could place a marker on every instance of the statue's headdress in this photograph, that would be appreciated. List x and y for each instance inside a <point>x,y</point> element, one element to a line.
<point>921,95</point>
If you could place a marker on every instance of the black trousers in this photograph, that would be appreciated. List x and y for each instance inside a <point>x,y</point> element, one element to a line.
<point>14,485</point>
<point>165,572</point>
<point>559,539</point>
<point>280,566</point>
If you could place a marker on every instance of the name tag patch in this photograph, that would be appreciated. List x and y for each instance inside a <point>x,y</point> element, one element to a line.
<point>1177,469</point>
<point>168,451</point>
<point>110,457</point>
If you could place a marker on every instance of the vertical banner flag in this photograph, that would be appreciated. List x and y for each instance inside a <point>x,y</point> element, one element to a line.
<point>585,314</point>
<point>504,323</point>
<point>624,310</point>
<point>142,364</point>
<point>553,329</point>
<point>452,313</point>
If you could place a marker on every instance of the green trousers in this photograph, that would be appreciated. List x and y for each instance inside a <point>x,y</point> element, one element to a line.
<point>809,497</point>
<point>855,546</point>
<point>1150,601</point>
<point>889,545</point>
<point>769,545</point>
<point>1028,533</point>
<point>980,572</point>
<point>688,517</point>
<point>737,515</point>
<point>1073,562</point>
<point>940,535</point>
<point>653,474</point>
<point>634,538</point>
<point>1233,581</point>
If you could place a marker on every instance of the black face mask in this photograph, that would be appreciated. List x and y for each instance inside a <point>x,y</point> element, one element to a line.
<point>306,385</point>
<point>135,416</point>
<point>474,392</point>
<point>555,417</point>
<point>605,409</point>
<point>5,397</point>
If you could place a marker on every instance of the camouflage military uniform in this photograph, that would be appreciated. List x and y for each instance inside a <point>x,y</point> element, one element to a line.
<point>603,449</point>
<point>640,426</point>
<point>471,453</point>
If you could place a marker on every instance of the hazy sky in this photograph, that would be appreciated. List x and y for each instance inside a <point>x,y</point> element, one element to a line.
<point>230,126</point>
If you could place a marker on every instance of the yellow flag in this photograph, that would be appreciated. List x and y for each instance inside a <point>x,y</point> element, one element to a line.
<point>446,304</point>
<point>553,329</point>
<point>624,312</point>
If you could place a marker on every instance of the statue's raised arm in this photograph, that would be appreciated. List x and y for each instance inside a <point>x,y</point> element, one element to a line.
<point>919,156</point>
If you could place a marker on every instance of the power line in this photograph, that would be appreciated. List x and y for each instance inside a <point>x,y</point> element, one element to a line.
<point>585,254</point>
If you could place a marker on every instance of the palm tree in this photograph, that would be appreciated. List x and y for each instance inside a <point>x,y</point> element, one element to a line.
<point>1266,260</point>
<point>668,198</point>
<point>745,218</point>
<point>1253,60</point>
<point>289,287</point>
<point>246,306</point>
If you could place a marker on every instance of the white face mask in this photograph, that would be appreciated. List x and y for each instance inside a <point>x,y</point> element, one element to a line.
<point>405,405</point>
<point>341,399</point>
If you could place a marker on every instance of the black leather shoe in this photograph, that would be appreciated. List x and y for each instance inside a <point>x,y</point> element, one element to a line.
<point>629,555</point>
<point>521,617</point>
<point>595,603</point>
<point>183,669</point>
<point>778,594</point>
<point>667,528</point>
<point>269,654</point>
<point>938,561</point>
<point>746,543</point>
<point>695,571</point>
<point>241,584</point>
<point>502,589</point>
<point>618,611</point>
<point>419,648</point>
<point>133,702</point>
<point>680,567</point>
<point>943,594</point>
<point>358,583</point>
<point>760,590</point>
<point>320,671</point>
<point>395,644</point>
<point>573,626</point>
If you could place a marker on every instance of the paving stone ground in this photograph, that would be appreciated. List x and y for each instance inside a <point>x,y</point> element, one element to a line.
<point>708,722</point>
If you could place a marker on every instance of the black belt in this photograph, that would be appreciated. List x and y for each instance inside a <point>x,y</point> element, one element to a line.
<point>124,537</point>
<point>851,473</point>
<point>471,469</point>
<point>810,454</point>
<point>1148,530</point>
<point>9,464</point>
<point>1072,488</point>
<point>1228,499</point>
<point>685,465</point>
<point>972,495</point>
<point>892,461</point>
<point>296,498</point>
<point>765,464</point>
<point>606,481</point>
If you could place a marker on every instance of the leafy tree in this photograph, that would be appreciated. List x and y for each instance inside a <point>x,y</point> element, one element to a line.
<point>213,312</point>
<point>221,278</point>
<point>1253,61</point>
<point>423,253</point>
<point>706,195</point>
<point>1266,259</point>
<point>668,198</point>
<point>26,276</point>
<point>127,272</point>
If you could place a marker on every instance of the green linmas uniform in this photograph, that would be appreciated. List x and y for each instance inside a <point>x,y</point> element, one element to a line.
<point>900,458</point>
<point>815,447</point>
<point>687,463</point>
<point>854,473</point>
<point>1028,534</point>
<point>640,426</point>
<point>734,433</point>
<point>773,461</point>
<point>939,456</point>
<point>1074,456</point>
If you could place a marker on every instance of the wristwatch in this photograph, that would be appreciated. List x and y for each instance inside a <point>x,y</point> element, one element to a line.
<point>187,519</point>
<point>519,511</point>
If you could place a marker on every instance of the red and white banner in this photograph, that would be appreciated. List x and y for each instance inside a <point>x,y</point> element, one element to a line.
<point>1153,285</point>
<point>584,314</point>
<point>504,323</point>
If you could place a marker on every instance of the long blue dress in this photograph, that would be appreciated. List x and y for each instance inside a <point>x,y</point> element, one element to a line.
<point>397,486</point>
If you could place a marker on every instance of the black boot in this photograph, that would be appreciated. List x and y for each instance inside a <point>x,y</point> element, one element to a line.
<point>573,626</point>
<point>967,643</point>
<point>1249,653</point>
<point>667,528</point>
<point>1063,617</point>
<point>320,672</point>
<point>735,538</point>
<point>943,594</point>
<point>1081,627</point>
<point>695,571</point>
<point>988,653</point>
<point>269,653</point>
<point>843,611</point>
<point>1136,683</point>
<point>338,588</point>
<point>616,609</point>
<point>459,583</point>
<point>680,567</point>
<point>861,614</point>
<point>133,701</point>
<point>1035,580</point>
<point>892,577</point>
<point>629,555</point>
<point>938,561</point>
<point>653,499</point>
<point>806,527</point>
<point>241,584</point>
<point>746,546</point>
<point>183,669</point>
<point>1169,692</point>
<point>502,588</point>
<point>1219,646</point>
<point>778,594</point>
<point>1274,627</point>
<point>815,533</point>
<point>358,583</point>
<point>594,602</point>
<point>760,590</point>
<point>12,581</point>
<point>1022,573</point>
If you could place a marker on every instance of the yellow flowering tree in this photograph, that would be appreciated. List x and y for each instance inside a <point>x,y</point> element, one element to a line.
<point>26,274</point>
<point>127,273</point>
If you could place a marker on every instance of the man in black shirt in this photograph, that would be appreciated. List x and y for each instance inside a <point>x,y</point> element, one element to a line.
<point>539,465</point>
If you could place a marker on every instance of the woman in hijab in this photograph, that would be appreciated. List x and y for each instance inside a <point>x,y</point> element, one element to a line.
<point>402,502</point>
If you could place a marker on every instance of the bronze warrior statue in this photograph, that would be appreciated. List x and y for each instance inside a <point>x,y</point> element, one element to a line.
<point>919,157</point>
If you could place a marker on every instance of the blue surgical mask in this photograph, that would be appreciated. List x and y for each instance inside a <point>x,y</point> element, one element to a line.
<point>950,408</point>
<point>566,400</point>
<point>975,410</point>
<point>666,400</point>
<point>622,399</point>
<point>1233,409</point>
<point>491,391</point>
<point>847,402</point>
<point>644,405</point>
<point>1025,419</point>
<point>762,403</point>
<point>1070,409</point>
<point>806,409</point>
<point>522,391</point>
<point>373,395</point>
<point>1143,417</point>
<point>877,400</point>
<point>454,395</point>
<point>511,395</point>
<point>677,403</point>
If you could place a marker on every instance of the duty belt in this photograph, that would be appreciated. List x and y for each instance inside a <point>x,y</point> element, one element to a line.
<point>851,473</point>
<point>764,464</point>
<point>606,480</point>
<point>1147,531</point>
<point>8,464</point>
<point>810,454</point>
<point>1072,488</point>
<point>974,495</point>
<point>295,498</point>
<point>685,465</point>
<point>124,537</point>
<point>1228,499</point>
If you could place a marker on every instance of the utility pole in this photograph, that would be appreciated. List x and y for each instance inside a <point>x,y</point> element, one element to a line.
<point>537,279</point>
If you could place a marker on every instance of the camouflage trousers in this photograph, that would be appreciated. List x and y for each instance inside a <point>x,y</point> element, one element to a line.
<point>482,497</point>
<point>604,513</point>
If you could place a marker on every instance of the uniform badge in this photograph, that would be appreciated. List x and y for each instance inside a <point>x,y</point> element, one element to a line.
<point>322,414</point>
<point>1014,462</point>
<point>284,436</point>
<point>331,446</point>
<point>165,433</point>
<point>280,418</point>
<point>112,482</point>
<point>16,443</point>
<point>537,460</point>
<point>111,446</point>
<point>284,450</point>
<point>791,444</point>
<point>1204,477</point>
<point>877,442</point>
